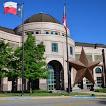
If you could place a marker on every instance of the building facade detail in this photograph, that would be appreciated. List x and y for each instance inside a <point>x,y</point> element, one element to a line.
<point>48,30</point>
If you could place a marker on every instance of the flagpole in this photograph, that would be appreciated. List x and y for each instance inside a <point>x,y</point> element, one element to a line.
<point>22,49</point>
<point>104,68</point>
<point>68,71</point>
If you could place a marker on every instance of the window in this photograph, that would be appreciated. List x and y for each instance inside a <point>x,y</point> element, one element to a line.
<point>54,33</point>
<point>37,32</point>
<point>29,32</point>
<point>50,80</point>
<point>71,50</point>
<point>46,32</point>
<point>63,34</point>
<point>54,47</point>
<point>98,70</point>
<point>98,57</point>
<point>99,80</point>
<point>88,82</point>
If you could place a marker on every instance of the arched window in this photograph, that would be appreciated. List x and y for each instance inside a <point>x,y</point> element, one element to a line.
<point>98,70</point>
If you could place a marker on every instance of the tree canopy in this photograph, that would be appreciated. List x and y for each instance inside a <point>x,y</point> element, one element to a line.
<point>35,65</point>
<point>34,61</point>
<point>5,58</point>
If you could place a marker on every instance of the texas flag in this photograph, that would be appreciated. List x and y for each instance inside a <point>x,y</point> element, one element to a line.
<point>10,8</point>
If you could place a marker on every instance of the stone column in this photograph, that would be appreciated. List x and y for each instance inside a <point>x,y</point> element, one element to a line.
<point>5,84</point>
<point>43,84</point>
<point>19,84</point>
<point>84,83</point>
<point>94,74</point>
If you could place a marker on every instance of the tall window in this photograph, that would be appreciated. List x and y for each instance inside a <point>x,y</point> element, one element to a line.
<point>71,50</point>
<point>54,47</point>
<point>99,80</point>
<point>50,79</point>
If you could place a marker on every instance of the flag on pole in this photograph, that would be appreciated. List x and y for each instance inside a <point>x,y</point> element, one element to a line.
<point>20,10</point>
<point>64,17</point>
<point>10,8</point>
<point>13,8</point>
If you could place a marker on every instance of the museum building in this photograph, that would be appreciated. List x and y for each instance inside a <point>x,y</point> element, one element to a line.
<point>52,33</point>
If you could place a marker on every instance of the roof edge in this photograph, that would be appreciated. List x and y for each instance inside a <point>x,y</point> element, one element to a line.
<point>8,30</point>
<point>90,44</point>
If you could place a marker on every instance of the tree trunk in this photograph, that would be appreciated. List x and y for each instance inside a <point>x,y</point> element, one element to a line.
<point>30,85</point>
<point>0,85</point>
<point>14,84</point>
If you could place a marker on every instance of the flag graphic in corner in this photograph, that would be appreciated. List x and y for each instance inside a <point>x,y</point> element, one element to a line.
<point>10,8</point>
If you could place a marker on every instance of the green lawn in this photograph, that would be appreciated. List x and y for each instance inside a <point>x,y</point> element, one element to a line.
<point>46,93</point>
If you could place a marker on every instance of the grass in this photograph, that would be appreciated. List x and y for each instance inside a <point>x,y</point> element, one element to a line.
<point>102,90</point>
<point>46,93</point>
<point>42,93</point>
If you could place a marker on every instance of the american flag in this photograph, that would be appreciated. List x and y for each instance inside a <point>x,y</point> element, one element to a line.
<point>64,17</point>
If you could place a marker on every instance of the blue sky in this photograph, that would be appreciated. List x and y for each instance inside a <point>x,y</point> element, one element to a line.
<point>86,18</point>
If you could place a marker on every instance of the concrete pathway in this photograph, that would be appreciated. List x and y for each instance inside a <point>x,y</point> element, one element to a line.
<point>51,101</point>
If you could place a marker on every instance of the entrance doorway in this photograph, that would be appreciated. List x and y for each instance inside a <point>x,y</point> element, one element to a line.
<point>56,76</point>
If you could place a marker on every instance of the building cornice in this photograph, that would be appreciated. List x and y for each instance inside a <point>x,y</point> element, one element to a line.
<point>89,44</point>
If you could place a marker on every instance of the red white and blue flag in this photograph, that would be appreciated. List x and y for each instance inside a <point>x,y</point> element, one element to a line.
<point>64,17</point>
<point>10,8</point>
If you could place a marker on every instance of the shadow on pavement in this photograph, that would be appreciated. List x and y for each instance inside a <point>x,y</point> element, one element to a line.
<point>102,101</point>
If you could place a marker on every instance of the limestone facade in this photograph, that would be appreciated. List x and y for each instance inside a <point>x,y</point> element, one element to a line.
<point>49,33</point>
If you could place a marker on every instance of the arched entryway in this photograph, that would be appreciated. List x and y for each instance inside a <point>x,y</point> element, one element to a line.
<point>55,76</point>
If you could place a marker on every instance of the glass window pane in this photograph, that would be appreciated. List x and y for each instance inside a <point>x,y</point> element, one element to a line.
<point>54,47</point>
<point>71,50</point>
<point>98,70</point>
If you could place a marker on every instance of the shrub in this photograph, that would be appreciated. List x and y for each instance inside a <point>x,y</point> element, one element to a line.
<point>101,90</point>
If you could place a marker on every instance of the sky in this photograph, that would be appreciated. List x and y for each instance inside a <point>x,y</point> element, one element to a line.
<point>86,18</point>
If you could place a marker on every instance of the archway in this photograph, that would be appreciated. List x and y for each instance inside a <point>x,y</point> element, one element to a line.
<point>56,75</point>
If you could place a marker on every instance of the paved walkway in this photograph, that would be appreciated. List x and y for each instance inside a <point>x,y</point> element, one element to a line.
<point>49,97</point>
<point>57,101</point>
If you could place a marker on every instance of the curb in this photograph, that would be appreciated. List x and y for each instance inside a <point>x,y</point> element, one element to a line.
<point>89,97</point>
<point>50,97</point>
<point>31,98</point>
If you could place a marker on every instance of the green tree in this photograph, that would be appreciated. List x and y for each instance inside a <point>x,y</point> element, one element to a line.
<point>14,68</point>
<point>5,57</point>
<point>34,61</point>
